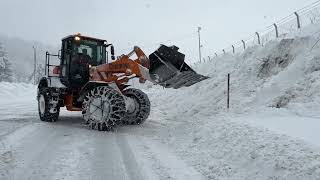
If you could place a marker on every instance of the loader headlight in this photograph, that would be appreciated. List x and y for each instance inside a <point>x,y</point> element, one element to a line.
<point>77,38</point>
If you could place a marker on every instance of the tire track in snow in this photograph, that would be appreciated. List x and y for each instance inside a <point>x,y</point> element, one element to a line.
<point>24,151</point>
<point>155,157</point>
<point>75,153</point>
<point>105,159</point>
<point>52,151</point>
<point>133,169</point>
<point>13,138</point>
<point>65,150</point>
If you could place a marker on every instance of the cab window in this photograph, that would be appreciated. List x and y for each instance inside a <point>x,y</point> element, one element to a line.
<point>93,50</point>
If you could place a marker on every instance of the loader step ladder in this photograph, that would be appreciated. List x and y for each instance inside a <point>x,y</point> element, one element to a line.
<point>48,65</point>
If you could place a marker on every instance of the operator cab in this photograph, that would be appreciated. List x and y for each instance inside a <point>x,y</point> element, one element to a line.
<point>78,53</point>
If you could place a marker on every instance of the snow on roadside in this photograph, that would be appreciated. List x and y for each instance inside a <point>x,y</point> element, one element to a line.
<point>270,132</point>
<point>283,74</point>
<point>15,92</point>
<point>220,148</point>
<point>17,100</point>
<point>18,106</point>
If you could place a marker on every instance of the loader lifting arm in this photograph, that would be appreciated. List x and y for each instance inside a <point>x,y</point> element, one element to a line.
<point>123,69</point>
<point>165,67</point>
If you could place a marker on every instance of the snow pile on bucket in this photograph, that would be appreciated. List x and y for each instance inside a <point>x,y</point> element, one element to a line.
<point>279,80</point>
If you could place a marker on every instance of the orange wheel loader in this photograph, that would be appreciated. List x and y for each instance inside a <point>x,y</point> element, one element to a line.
<point>85,81</point>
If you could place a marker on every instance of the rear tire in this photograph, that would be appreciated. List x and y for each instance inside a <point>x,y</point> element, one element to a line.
<point>141,111</point>
<point>103,108</point>
<point>47,112</point>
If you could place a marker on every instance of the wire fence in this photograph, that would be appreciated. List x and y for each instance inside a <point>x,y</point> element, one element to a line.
<point>284,28</point>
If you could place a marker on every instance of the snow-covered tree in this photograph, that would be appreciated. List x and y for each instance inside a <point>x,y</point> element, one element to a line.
<point>6,73</point>
<point>40,71</point>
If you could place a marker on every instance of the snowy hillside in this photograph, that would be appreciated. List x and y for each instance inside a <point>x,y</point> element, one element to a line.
<point>281,77</point>
<point>275,105</point>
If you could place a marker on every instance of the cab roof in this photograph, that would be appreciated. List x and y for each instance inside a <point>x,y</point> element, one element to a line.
<point>84,37</point>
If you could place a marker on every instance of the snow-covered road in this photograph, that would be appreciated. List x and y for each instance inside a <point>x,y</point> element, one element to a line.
<point>271,130</point>
<point>67,149</point>
<point>176,142</point>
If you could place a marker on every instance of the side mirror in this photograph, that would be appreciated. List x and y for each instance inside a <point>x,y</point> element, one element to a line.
<point>112,52</point>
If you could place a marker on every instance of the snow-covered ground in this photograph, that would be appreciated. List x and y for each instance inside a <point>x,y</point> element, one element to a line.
<point>275,86</point>
<point>31,149</point>
<point>270,131</point>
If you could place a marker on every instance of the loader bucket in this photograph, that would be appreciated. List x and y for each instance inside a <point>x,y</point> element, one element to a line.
<point>168,69</point>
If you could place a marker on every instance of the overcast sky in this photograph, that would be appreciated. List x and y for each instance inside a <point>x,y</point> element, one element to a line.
<point>145,23</point>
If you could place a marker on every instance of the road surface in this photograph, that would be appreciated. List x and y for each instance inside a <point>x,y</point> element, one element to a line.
<point>67,149</point>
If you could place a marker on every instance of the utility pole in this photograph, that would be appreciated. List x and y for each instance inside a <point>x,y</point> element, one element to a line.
<point>35,64</point>
<point>199,28</point>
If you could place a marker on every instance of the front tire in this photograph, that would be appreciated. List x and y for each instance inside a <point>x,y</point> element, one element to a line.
<point>103,108</point>
<point>141,107</point>
<point>48,111</point>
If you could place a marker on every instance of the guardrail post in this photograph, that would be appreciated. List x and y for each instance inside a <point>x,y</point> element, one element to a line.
<point>276,29</point>
<point>259,42</point>
<point>298,20</point>
<point>233,51</point>
<point>244,44</point>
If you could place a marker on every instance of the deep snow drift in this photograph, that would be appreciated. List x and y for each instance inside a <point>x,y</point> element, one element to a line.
<point>271,130</point>
<point>280,80</point>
